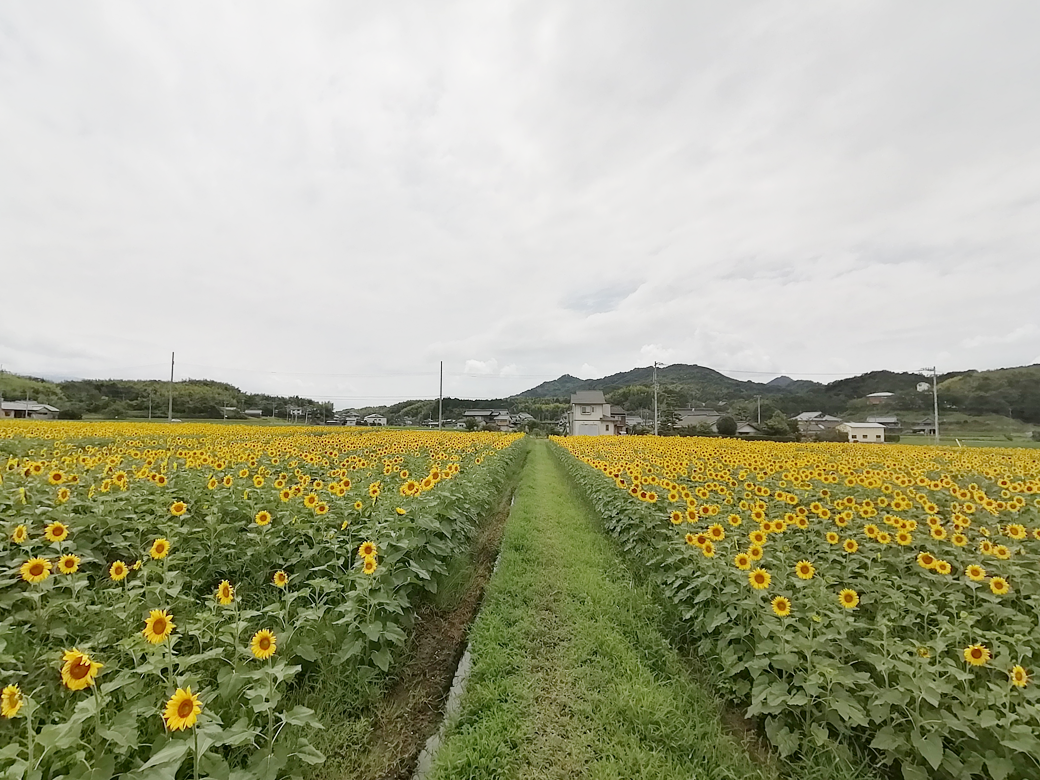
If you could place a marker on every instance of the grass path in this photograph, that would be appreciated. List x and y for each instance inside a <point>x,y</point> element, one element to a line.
<point>571,676</point>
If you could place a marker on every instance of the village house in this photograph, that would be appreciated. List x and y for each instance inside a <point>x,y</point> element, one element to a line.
<point>496,417</point>
<point>891,424</point>
<point>864,432</point>
<point>691,418</point>
<point>591,415</point>
<point>27,410</point>
<point>374,419</point>
<point>747,429</point>
<point>815,423</point>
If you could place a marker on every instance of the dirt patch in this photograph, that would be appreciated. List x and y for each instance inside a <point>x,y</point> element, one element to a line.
<point>414,707</point>
<point>748,732</point>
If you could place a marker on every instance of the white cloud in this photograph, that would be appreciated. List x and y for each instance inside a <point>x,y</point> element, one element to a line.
<point>343,196</point>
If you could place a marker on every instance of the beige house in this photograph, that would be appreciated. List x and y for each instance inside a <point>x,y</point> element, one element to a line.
<point>591,415</point>
<point>873,433</point>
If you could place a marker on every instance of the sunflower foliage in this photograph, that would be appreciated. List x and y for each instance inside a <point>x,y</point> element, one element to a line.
<point>880,599</point>
<point>163,592</point>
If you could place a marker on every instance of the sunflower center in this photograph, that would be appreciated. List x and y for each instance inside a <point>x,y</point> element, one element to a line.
<point>36,569</point>
<point>185,708</point>
<point>976,653</point>
<point>80,669</point>
<point>159,625</point>
<point>264,643</point>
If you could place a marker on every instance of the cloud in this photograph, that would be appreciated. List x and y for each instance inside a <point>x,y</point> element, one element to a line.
<point>339,197</point>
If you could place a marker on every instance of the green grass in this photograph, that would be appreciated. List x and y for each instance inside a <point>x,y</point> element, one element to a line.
<point>572,676</point>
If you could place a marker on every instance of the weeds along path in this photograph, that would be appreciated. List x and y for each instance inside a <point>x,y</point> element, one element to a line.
<point>571,676</point>
<point>385,742</point>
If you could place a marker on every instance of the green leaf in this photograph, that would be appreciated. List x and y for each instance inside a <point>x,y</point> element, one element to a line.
<point>307,753</point>
<point>382,658</point>
<point>930,748</point>
<point>302,716</point>
<point>999,767</point>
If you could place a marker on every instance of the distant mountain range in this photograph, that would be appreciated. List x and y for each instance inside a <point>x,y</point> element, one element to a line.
<point>706,384</point>
<point>1008,391</point>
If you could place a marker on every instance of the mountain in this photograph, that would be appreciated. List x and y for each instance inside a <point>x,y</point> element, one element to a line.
<point>696,383</point>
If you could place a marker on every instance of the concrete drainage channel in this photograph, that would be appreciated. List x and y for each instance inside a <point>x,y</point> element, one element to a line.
<point>458,686</point>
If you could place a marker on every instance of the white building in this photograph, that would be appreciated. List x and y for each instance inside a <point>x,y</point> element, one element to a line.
<point>374,419</point>
<point>591,415</point>
<point>864,432</point>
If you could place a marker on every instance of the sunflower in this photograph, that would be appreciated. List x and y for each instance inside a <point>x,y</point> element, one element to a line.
<point>676,517</point>
<point>343,527</point>
<point>36,570</point>
<point>781,606</point>
<point>158,626</point>
<point>228,480</point>
<point>321,508</point>
<point>999,586</point>
<point>755,552</point>
<point>804,570</point>
<point>78,671</point>
<point>310,500</point>
<point>369,566</point>
<point>367,550</point>
<point>68,564</point>
<point>263,644</point>
<point>160,549</point>
<point>850,545</point>
<point>285,495</point>
<point>225,592</point>
<point>832,537</point>
<point>1019,677</point>
<point>263,517</point>
<point>708,549</point>
<point>64,494</point>
<point>742,561</point>
<point>118,571</point>
<point>212,484</point>
<point>759,579</point>
<point>258,481</point>
<point>942,567</point>
<point>56,532</point>
<point>716,532</point>
<point>358,506</point>
<point>11,701</point>
<point>757,537</point>
<point>690,539</point>
<point>400,511</point>
<point>848,598</point>
<point>925,560</point>
<point>178,508</point>
<point>976,655</point>
<point>20,534</point>
<point>904,538</point>
<point>281,579</point>
<point>182,709</point>
<point>975,573</point>
<point>734,520</point>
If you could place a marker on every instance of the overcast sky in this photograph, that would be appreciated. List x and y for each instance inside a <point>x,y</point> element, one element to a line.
<point>329,198</point>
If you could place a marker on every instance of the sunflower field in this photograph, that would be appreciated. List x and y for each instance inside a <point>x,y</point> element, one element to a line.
<point>885,597</point>
<point>164,590</point>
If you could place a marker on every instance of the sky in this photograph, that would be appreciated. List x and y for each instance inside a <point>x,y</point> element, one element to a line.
<point>328,199</point>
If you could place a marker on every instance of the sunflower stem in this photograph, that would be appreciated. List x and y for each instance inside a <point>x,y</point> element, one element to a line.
<point>195,749</point>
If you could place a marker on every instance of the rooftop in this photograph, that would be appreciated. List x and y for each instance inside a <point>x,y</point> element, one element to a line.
<point>588,397</point>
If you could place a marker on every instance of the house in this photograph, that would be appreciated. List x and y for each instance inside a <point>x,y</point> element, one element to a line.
<point>347,418</point>
<point>747,429</point>
<point>520,418</point>
<point>633,421</point>
<point>891,423</point>
<point>879,398</point>
<point>253,413</point>
<point>496,417</point>
<point>374,419</point>
<point>591,415</point>
<point>925,426</point>
<point>864,432</point>
<point>815,423</point>
<point>27,410</point>
<point>691,418</point>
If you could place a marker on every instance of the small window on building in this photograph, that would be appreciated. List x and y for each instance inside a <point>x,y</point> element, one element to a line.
<point>608,427</point>
<point>586,410</point>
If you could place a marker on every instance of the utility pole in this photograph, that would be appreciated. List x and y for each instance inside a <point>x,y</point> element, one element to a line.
<point>655,398</point>
<point>440,400</point>
<point>935,400</point>
<point>149,403</point>
<point>759,398</point>
<point>169,414</point>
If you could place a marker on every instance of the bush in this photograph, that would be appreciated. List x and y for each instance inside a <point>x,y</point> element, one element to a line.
<point>726,426</point>
<point>70,414</point>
